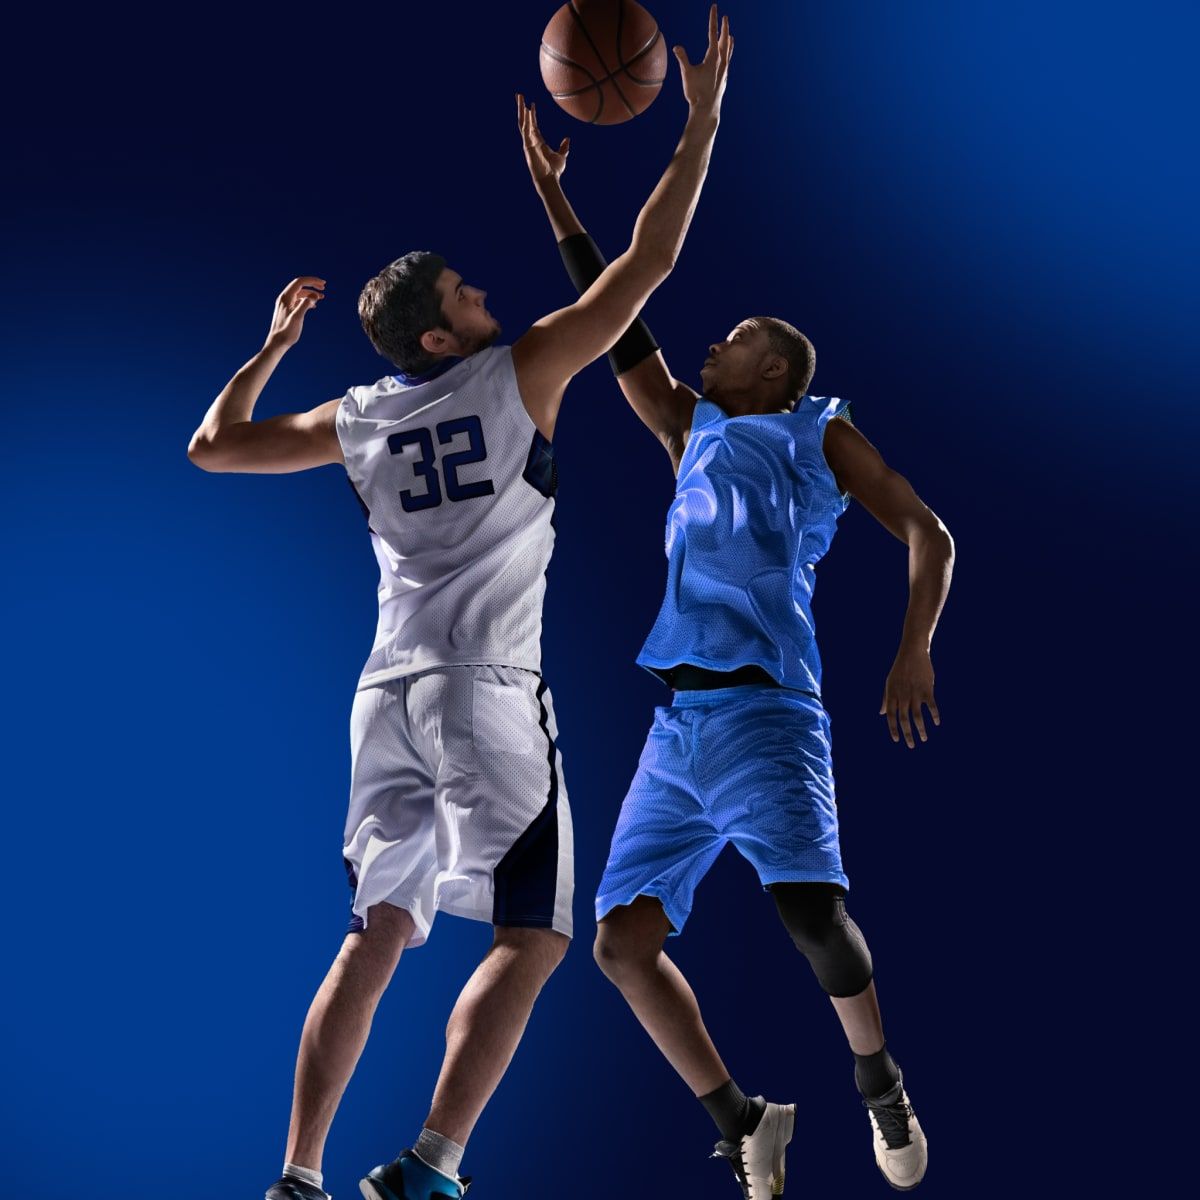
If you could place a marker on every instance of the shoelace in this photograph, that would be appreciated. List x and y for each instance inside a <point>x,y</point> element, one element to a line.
<point>732,1153</point>
<point>892,1120</point>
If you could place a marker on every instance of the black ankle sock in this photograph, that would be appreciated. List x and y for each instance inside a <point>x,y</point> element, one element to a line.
<point>735,1114</point>
<point>875,1073</point>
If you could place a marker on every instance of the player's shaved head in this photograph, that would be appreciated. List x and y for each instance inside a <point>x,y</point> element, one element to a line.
<point>400,304</point>
<point>791,345</point>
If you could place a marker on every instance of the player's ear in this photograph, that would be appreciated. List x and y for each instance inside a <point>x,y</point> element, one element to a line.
<point>774,366</point>
<point>434,341</point>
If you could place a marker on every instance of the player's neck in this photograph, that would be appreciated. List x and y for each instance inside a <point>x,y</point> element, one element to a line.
<point>750,404</point>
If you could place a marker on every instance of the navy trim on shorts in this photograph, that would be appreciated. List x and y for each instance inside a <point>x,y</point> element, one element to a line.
<point>526,878</point>
<point>357,924</point>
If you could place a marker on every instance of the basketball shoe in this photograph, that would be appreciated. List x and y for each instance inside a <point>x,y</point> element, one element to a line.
<point>409,1178</point>
<point>757,1158</point>
<point>901,1151</point>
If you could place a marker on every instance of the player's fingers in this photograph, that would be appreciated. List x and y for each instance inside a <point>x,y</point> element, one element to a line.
<point>933,710</point>
<point>919,721</point>
<point>712,27</point>
<point>680,54</point>
<point>890,712</point>
<point>564,145</point>
<point>299,282</point>
<point>903,721</point>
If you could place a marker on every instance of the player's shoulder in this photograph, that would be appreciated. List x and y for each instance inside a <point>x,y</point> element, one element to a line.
<point>360,399</point>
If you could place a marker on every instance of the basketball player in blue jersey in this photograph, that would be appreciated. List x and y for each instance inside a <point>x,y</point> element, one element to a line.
<point>456,800</point>
<point>741,754</point>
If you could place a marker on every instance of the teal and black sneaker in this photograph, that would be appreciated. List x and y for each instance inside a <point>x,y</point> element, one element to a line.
<point>290,1188</point>
<point>410,1178</point>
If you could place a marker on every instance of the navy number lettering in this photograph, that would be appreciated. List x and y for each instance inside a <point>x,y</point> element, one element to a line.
<point>476,452</point>
<point>423,466</point>
<point>426,465</point>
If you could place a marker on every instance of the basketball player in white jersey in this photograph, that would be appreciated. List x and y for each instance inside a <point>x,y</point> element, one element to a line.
<point>456,801</point>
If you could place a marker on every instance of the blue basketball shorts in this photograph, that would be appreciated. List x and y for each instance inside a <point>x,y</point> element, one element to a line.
<point>747,765</point>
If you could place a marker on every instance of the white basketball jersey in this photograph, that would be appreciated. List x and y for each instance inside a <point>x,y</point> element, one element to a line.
<point>459,486</point>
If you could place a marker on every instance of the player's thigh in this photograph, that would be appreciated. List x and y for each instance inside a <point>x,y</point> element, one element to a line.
<point>772,785</point>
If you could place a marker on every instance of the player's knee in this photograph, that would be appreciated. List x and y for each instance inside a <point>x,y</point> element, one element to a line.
<point>541,949</point>
<point>383,939</point>
<point>613,953</point>
<point>626,945</point>
<point>815,917</point>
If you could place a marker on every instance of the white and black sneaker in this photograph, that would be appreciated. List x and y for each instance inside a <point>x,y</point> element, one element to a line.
<point>901,1151</point>
<point>757,1158</point>
<point>288,1187</point>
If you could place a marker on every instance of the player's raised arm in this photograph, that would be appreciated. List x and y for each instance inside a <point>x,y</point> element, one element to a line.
<point>559,345</point>
<point>889,498</point>
<point>230,440</point>
<point>663,403</point>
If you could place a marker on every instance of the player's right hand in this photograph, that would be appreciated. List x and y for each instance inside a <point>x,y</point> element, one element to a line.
<point>544,164</point>
<point>704,83</point>
<point>291,306</point>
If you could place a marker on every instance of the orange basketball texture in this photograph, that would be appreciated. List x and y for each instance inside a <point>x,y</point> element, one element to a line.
<point>603,61</point>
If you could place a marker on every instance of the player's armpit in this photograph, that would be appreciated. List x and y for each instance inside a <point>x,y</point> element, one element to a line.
<point>860,470</point>
<point>663,404</point>
<point>275,446</point>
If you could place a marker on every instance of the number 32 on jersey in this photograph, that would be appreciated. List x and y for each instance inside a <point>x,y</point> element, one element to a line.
<point>425,464</point>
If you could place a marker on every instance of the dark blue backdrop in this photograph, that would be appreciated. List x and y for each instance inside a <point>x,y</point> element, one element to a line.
<point>984,217</point>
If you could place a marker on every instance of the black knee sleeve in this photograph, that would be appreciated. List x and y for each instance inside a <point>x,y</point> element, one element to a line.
<point>815,916</point>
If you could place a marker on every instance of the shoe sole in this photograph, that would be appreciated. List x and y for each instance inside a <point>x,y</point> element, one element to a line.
<point>371,1191</point>
<point>783,1135</point>
<point>896,1187</point>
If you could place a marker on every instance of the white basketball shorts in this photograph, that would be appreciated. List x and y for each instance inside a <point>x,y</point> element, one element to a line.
<point>457,801</point>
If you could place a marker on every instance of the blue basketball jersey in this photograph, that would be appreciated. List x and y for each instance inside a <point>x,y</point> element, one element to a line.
<point>755,509</point>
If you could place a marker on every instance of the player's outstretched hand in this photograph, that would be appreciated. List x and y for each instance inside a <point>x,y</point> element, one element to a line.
<point>290,308</point>
<point>909,686</point>
<point>704,83</point>
<point>544,164</point>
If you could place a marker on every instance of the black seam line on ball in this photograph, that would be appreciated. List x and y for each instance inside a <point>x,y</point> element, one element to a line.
<point>570,62</point>
<point>595,83</point>
<point>600,57</point>
<point>642,54</point>
<point>620,30</point>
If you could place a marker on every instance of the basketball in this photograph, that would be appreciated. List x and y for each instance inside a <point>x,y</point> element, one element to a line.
<point>603,61</point>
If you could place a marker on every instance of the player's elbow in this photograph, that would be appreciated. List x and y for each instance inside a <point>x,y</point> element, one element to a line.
<point>203,453</point>
<point>935,536</point>
<point>655,259</point>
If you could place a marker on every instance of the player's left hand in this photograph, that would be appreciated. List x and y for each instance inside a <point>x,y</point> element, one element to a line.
<point>544,164</point>
<point>291,306</point>
<point>909,687</point>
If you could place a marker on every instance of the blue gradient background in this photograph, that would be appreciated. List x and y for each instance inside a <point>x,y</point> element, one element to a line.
<point>983,215</point>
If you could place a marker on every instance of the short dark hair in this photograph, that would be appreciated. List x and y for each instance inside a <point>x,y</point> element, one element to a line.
<point>399,305</point>
<point>792,346</point>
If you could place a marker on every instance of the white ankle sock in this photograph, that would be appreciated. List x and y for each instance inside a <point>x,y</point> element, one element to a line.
<point>304,1174</point>
<point>439,1152</point>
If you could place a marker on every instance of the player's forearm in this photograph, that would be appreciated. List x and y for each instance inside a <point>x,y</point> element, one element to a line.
<point>930,565</point>
<point>235,404</point>
<point>663,222</point>
<point>562,216</point>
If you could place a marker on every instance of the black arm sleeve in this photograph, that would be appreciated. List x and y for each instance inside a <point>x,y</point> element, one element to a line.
<point>584,262</point>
